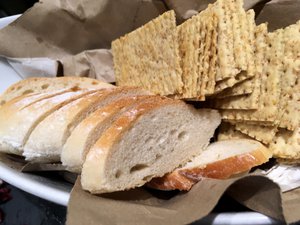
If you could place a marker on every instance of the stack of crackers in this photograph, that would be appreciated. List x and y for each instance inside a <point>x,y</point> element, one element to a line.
<point>270,113</point>
<point>220,55</point>
<point>206,54</point>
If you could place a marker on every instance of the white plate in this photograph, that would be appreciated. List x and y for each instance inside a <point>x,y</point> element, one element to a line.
<point>54,191</point>
<point>59,192</point>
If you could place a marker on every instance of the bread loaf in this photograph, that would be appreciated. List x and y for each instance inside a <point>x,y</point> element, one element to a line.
<point>220,160</point>
<point>21,115</point>
<point>90,129</point>
<point>151,139</point>
<point>46,141</point>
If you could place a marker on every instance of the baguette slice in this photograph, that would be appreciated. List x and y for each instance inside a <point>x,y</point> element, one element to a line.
<point>90,129</point>
<point>46,141</point>
<point>21,115</point>
<point>149,140</point>
<point>44,84</point>
<point>220,160</point>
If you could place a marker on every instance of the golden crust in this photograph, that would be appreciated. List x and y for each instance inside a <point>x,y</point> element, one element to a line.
<point>46,84</point>
<point>184,179</point>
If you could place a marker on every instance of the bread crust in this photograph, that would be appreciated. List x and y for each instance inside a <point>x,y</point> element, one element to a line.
<point>104,147</point>
<point>72,156</point>
<point>12,130</point>
<point>184,179</point>
<point>46,84</point>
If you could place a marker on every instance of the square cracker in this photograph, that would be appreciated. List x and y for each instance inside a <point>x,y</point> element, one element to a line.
<point>212,57</point>
<point>228,132</point>
<point>289,106</point>
<point>286,144</point>
<point>209,60</point>
<point>270,85</point>
<point>290,118</point>
<point>243,35</point>
<point>250,101</point>
<point>225,59</point>
<point>189,46</point>
<point>197,47</point>
<point>205,42</point>
<point>149,57</point>
<point>242,88</point>
<point>265,134</point>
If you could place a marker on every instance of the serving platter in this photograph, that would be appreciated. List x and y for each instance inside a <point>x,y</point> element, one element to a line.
<point>59,191</point>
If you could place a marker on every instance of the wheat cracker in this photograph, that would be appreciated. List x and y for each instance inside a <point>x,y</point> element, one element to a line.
<point>149,57</point>
<point>286,144</point>
<point>242,88</point>
<point>199,82</point>
<point>227,131</point>
<point>225,61</point>
<point>210,88</point>
<point>243,39</point>
<point>208,20</point>
<point>189,44</point>
<point>265,134</point>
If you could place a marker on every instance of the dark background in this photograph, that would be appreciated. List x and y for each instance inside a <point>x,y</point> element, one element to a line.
<point>13,7</point>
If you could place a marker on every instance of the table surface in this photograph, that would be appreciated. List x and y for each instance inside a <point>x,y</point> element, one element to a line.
<point>27,209</point>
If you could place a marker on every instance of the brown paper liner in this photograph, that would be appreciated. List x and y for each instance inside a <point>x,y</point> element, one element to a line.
<point>139,206</point>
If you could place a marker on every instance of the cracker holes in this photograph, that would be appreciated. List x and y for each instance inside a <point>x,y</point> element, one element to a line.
<point>45,86</point>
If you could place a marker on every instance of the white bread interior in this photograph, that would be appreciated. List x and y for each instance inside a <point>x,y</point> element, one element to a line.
<point>90,129</point>
<point>149,140</point>
<point>46,141</point>
<point>23,114</point>
<point>220,160</point>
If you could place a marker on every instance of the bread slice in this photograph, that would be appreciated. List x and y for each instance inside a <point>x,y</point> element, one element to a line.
<point>220,160</point>
<point>90,129</point>
<point>21,115</point>
<point>46,84</point>
<point>145,142</point>
<point>46,141</point>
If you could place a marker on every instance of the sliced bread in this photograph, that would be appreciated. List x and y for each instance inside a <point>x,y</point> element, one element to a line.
<point>220,160</point>
<point>90,129</point>
<point>46,141</point>
<point>44,84</point>
<point>149,140</point>
<point>20,116</point>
